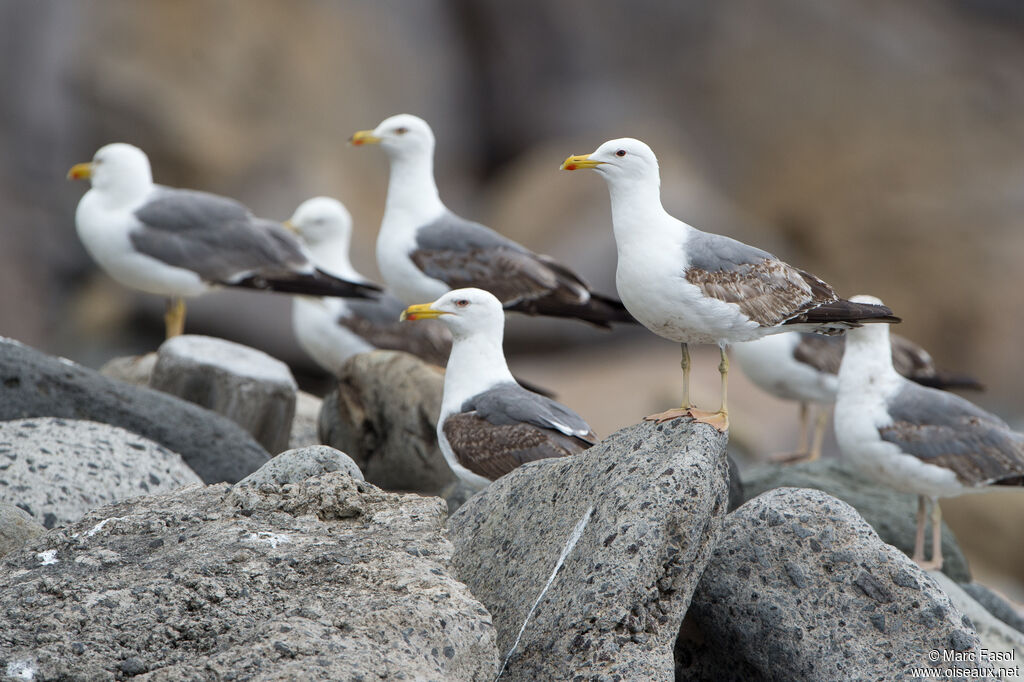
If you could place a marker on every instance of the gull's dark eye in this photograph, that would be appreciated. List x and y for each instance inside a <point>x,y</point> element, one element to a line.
<point>401,131</point>
<point>462,303</point>
<point>621,152</point>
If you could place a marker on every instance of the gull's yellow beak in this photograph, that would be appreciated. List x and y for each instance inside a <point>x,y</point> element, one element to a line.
<point>290,226</point>
<point>361,137</point>
<point>421,311</point>
<point>80,171</point>
<point>581,161</point>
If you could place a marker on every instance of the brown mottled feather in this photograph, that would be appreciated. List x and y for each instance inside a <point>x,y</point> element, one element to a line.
<point>768,291</point>
<point>492,450</point>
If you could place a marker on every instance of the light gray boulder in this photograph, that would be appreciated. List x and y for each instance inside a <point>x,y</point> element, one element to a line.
<point>1001,645</point>
<point>996,605</point>
<point>131,369</point>
<point>299,464</point>
<point>16,526</point>
<point>800,587</point>
<point>58,469</point>
<point>644,508</point>
<point>323,578</point>
<point>892,514</point>
<point>33,384</point>
<point>246,385</point>
<point>384,415</point>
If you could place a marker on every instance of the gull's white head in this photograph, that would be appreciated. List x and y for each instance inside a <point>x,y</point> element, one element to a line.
<point>322,220</point>
<point>873,335</point>
<point>118,170</point>
<point>624,159</point>
<point>401,136</point>
<point>466,312</point>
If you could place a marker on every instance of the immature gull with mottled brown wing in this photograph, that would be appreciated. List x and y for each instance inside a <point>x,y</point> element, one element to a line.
<point>425,250</point>
<point>179,243</point>
<point>489,424</point>
<point>803,367</point>
<point>918,439</point>
<point>694,287</point>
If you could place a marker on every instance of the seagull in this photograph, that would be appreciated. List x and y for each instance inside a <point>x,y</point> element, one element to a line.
<point>331,330</point>
<point>489,424</point>
<point>180,243</point>
<point>690,286</point>
<point>802,366</point>
<point>917,439</point>
<point>424,250</point>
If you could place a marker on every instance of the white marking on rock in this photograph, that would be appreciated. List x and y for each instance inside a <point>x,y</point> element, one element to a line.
<point>48,557</point>
<point>265,537</point>
<point>573,539</point>
<point>22,670</point>
<point>99,526</point>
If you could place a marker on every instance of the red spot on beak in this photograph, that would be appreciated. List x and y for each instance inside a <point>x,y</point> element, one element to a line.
<point>413,316</point>
<point>571,166</point>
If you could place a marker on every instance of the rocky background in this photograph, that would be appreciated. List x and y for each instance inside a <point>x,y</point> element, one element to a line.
<point>644,558</point>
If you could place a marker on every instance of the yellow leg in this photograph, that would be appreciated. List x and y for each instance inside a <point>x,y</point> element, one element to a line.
<point>720,419</point>
<point>919,539</point>
<point>801,448</point>
<point>174,318</point>
<point>936,562</point>
<point>819,433</point>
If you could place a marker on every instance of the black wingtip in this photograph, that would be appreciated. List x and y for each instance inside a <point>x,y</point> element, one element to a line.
<point>316,283</point>
<point>600,311</point>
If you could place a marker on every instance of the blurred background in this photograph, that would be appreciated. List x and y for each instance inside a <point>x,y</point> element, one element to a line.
<point>879,145</point>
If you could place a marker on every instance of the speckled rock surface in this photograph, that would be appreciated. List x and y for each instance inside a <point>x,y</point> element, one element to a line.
<point>58,469</point>
<point>16,527</point>
<point>384,416</point>
<point>800,588</point>
<point>246,385</point>
<point>658,494</point>
<point>329,578</point>
<point>892,514</point>
<point>296,465</point>
<point>33,384</point>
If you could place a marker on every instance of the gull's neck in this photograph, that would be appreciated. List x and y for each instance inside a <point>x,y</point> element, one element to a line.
<point>331,255</point>
<point>867,368</point>
<point>412,192</point>
<point>476,363</point>
<point>125,191</point>
<point>637,213</point>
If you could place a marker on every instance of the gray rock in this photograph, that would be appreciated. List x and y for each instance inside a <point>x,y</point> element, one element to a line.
<point>384,415</point>
<point>33,384</point>
<point>800,588</point>
<point>299,464</point>
<point>326,578</point>
<point>58,469</point>
<point>245,385</point>
<point>16,526</point>
<point>307,412</point>
<point>131,369</point>
<point>736,495</point>
<point>996,605</point>
<point>995,635</point>
<point>893,515</point>
<point>657,495</point>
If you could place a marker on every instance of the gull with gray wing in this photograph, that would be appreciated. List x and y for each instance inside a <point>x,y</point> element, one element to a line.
<point>803,367</point>
<point>690,286</point>
<point>425,250</point>
<point>917,439</point>
<point>181,243</point>
<point>331,330</point>
<point>489,424</point>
